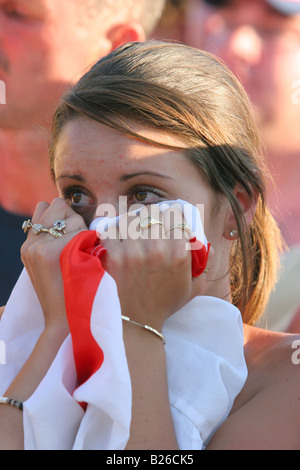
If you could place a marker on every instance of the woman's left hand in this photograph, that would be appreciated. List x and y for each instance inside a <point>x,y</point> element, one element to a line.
<point>41,257</point>
<point>153,273</point>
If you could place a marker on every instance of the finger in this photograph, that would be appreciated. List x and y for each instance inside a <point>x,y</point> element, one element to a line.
<point>175,224</point>
<point>42,235</point>
<point>58,209</point>
<point>39,211</point>
<point>111,241</point>
<point>57,216</point>
<point>151,223</point>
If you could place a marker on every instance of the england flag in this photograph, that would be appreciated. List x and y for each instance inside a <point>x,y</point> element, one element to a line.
<point>84,402</point>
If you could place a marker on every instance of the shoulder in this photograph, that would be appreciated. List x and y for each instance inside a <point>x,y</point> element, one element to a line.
<point>266,414</point>
<point>265,345</point>
<point>271,351</point>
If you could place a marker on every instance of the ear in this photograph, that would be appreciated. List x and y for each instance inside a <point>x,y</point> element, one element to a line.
<point>127,32</point>
<point>248,205</point>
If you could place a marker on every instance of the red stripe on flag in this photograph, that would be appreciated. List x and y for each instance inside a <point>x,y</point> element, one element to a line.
<point>199,256</point>
<point>82,273</point>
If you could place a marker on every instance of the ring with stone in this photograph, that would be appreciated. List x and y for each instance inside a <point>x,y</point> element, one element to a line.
<point>27,225</point>
<point>60,226</point>
<point>38,228</point>
<point>57,231</point>
<point>148,221</point>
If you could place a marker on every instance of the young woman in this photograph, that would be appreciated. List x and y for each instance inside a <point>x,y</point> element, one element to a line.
<point>160,122</point>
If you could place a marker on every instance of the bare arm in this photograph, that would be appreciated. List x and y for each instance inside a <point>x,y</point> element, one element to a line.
<point>259,425</point>
<point>11,419</point>
<point>146,360</point>
<point>40,255</point>
<point>151,426</point>
<point>270,419</point>
<point>160,282</point>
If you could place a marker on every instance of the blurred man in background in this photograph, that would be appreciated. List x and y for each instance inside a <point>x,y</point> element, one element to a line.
<point>260,41</point>
<point>45,45</point>
<point>171,24</point>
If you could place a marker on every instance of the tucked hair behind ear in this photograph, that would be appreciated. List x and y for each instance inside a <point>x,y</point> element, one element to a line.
<point>191,94</point>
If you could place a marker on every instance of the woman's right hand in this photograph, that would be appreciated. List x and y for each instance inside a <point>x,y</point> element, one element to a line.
<point>41,258</point>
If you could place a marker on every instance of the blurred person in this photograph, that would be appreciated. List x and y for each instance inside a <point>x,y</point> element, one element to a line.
<point>45,46</point>
<point>171,24</point>
<point>260,41</point>
<point>294,326</point>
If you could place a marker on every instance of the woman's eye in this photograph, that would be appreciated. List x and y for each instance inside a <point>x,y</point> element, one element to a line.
<point>145,195</point>
<point>78,198</point>
<point>141,196</point>
<point>82,203</point>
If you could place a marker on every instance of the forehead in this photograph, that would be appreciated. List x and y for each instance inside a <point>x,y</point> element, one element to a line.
<point>84,141</point>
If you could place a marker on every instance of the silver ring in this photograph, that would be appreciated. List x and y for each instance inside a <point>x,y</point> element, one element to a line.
<point>148,221</point>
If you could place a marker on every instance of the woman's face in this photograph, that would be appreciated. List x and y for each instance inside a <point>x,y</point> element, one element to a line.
<point>95,165</point>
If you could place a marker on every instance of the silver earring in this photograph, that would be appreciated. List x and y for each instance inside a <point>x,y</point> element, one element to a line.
<point>233,233</point>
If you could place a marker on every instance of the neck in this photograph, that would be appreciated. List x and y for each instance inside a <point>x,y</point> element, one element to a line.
<point>25,177</point>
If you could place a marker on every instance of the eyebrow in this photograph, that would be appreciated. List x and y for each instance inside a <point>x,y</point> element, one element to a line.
<point>143,173</point>
<point>123,178</point>
<point>72,177</point>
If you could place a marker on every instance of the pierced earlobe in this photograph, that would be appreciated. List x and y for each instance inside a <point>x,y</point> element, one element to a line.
<point>231,235</point>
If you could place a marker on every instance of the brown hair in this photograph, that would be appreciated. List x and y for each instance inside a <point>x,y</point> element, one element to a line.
<point>191,94</point>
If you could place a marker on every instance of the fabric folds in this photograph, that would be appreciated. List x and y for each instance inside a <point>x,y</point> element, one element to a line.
<point>84,401</point>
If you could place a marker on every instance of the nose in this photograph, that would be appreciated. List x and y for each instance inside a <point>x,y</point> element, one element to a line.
<point>243,49</point>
